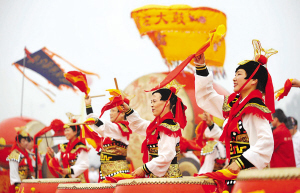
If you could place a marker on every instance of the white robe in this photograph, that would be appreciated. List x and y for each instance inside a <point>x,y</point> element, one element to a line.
<point>166,145</point>
<point>258,129</point>
<point>81,164</point>
<point>108,129</point>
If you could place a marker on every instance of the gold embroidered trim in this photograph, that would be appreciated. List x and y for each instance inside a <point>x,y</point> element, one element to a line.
<point>209,147</point>
<point>63,147</point>
<point>124,128</point>
<point>226,106</point>
<point>171,127</point>
<point>260,107</point>
<point>15,155</point>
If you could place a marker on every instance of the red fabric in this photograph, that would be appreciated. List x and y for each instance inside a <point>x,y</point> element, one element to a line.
<point>173,74</point>
<point>26,155</point>
<point>92,135</point>
<point>269,94</point>
<point>180,117</point>
<point>78,79</point>
<point>56,125</point>
<point>51,169</point>
<point>54,167</point>
<point>152,139</point>
<point>219,177</point>
<point>115,102</point>
<point>125,134</point>
<point>283,155</point>
<point>232,124</point>
<point>67,155</point>
<point>286,89</point>
<point>199,134</point>
<point>186,145</point>
<point>28,55</point>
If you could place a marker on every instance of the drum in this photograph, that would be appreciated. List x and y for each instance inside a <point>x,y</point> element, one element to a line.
<point>158,185</point>
<point>86,187</point>
<point>46,185</point>
<point>268,180</point>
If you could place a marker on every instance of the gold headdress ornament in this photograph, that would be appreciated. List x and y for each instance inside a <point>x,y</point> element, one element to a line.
<point>175,85</point>
<point>72,119</point>
<point>257,52</point>
<point>21,131</point>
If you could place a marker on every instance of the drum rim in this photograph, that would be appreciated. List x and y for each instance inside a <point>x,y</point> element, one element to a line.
<point>273,173</point>
<point>188,180</point>
<point>86,186</point>
<point>50,180</point>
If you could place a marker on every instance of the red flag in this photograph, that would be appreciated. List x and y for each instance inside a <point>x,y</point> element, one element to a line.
<point>115,102</point>
<point>285,90</point>
<point>91,137</point>
<point>54,165</point>
<point>78,79</point>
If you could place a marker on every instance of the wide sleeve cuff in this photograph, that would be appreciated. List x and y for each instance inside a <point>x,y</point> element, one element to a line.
<point>99,123</point>
<point>211,127</point>
<point>202,70</point>
<point>243,163</point>
<point>145,169</point>
<point>89,109</point>
<point>129,112</point>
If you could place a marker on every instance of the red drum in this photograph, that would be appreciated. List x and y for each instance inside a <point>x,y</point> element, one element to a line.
<point>158,185</point>
<point>86,187</point>
<point>46,185</point>
<point>279,180</point>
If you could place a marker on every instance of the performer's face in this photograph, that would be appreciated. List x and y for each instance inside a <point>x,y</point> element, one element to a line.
<point>23,143</point>
<point>30,145</point>
<point>115,115</point>
<point>239,79</point>
<point>157,105</point>
<point>69,133</point>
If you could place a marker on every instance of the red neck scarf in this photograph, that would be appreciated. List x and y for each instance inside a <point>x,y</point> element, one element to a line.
<point>26,155</point>
<point>152,139</point>
<point>66,155</point>
<point>126,123</point>
<point>232,124</point>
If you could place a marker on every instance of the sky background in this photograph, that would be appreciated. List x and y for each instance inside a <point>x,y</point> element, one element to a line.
<point>100,36</point>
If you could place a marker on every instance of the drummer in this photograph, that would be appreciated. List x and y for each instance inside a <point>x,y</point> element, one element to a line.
<point>162,134</point>
<point>116,133</point>
<point>74,154</point>
<point>20,161</point>
<point>247,132</point>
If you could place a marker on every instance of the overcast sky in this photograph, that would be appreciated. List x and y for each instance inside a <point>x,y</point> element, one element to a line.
<point>100,36</point>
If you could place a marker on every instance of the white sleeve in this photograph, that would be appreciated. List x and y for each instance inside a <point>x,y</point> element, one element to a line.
<point>81,164</point>
<point>261,140</point>
<point>137,124</point>
<point>206,97</point>
<point>109,129</point>
<point>14,172</point>
<point>215,133</point>
<point>166,153</point>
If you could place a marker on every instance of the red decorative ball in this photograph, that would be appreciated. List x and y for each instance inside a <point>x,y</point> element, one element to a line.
<point>262,59</point>
<point>173,89</point>
<point>73,120</point>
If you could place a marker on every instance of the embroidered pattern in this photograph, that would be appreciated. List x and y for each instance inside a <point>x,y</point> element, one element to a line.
<point>15,155</point>
<point>263,108</point>
<point>171,127</point>
<point>123,127</point>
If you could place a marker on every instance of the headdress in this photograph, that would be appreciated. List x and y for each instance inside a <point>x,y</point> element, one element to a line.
<point>261,60</point>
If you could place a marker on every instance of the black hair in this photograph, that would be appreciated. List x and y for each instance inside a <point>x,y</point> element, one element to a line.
<point>261,75</point>
<point>165,94</point>
<point>29,139</point>
<point>74,129</point>
<point>279,114</point>
<point>290,122</point>
<point>20,137</point>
